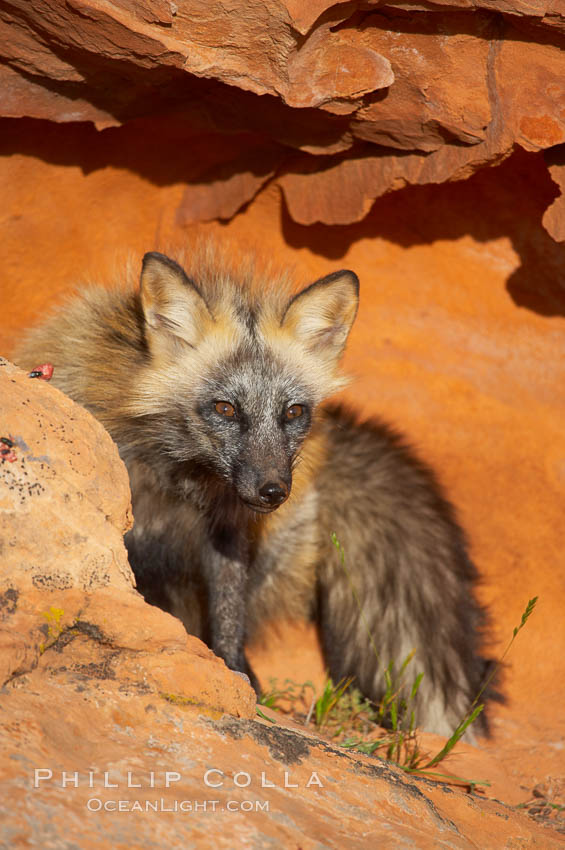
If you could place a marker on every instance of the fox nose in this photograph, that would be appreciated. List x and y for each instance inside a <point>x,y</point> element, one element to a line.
<point>273,493</point>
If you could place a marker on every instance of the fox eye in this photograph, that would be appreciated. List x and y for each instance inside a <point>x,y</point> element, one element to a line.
<point>294,411</point>
<point>224,408</point>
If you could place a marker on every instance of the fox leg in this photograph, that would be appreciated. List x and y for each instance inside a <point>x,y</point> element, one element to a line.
<point>226,558</point>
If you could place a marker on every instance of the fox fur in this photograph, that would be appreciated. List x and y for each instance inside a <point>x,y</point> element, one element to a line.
<point>211,382</point>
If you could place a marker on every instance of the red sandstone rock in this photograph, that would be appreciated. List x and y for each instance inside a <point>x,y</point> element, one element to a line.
<point>529,86</point>
<point>157,755</point>
<point>65,501</point>
<point>455,84</point>
<point>221,191</point>
<point>345,189</point>
<point>440,93</point>
<point>333,71</point>
<point>554,217</point>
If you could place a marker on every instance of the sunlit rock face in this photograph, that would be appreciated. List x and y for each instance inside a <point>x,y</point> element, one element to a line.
<point>339,102</point>
<point>420,144</point>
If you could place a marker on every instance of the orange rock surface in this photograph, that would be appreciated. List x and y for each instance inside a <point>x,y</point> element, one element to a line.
<point>135,126</point>
<point>396,94</point>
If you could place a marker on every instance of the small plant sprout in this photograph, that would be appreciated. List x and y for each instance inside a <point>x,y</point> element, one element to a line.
<point>329,699</point>
<point>476,707</point>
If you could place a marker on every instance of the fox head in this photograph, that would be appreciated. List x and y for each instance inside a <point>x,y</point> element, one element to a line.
<point>235,373</point>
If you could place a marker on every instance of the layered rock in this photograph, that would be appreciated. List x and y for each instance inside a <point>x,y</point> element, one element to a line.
<point>346,102</point>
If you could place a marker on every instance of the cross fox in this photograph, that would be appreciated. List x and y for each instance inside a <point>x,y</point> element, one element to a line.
<point>211,379</point>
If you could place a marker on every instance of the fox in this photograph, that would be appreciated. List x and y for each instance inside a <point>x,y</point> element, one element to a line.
<point>215,382</point>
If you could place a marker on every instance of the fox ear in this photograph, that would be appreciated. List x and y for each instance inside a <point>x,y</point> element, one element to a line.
<point>321,315</point>
<point>171,301</point>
